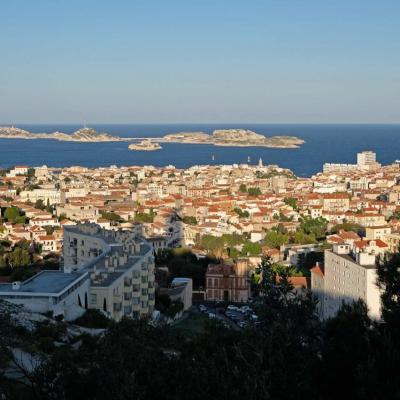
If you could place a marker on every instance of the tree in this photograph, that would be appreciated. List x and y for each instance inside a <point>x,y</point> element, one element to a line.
<point>241,213</point>
<point>292,202</point>
<point>301,237</point>
<point>190,220</point>
<point>243,188</point>
<point>11,213</point>
<point>346,350</point>
<point>389,282</point>
<point>19,257</point>
<point>251,249</point>
<point>254,191</point>
<point>111,216</point>
<point>39,204</point>
<point>62,217</point>
<point>142,217</point>
<point>316,226</point>
<point>275,239</point>
<point>213,244</point>
<point>348,226</point>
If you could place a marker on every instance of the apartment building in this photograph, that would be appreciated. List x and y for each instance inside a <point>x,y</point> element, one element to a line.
<point>346,277</point>
<point>47,195</point>
<point>120,265</point>
<point>228,282</point>
<point>367,160</point>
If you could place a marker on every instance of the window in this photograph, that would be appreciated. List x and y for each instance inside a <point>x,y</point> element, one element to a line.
<point>127,310</point>
<point>93,298</point>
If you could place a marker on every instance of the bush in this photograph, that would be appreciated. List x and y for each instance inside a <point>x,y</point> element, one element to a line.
<point>94,319</point>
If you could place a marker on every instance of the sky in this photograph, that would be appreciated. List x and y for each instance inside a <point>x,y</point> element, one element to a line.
<point>203,61</point>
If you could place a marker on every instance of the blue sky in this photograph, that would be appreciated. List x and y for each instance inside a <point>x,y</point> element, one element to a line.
<point>318,61</point>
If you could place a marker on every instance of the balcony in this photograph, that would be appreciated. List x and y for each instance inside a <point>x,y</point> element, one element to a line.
<point>127,296</point>
<point>118,298</point>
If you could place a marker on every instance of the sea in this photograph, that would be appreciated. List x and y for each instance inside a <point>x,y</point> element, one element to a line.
<point>338,143</point>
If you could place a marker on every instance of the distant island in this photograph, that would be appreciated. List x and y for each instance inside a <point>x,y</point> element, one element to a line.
<point>220,137</point>
<point>234,137</point>
<point>81,135</point>
<point>145,145</point>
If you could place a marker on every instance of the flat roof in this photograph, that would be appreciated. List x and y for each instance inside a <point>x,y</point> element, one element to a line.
<point>44,282</point>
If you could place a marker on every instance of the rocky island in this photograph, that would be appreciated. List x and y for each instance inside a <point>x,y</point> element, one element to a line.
<point>81,135</point>
<point>145,145</point>
<point>220,137</point>
<point>234,137</point>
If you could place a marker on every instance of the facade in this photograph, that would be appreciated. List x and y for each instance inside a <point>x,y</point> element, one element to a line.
<point>332,167</point>
<point>347,277</point>
<point>120,265</point>
<point>228,282</point>
<point>50,196</point>
<point>366,158</point>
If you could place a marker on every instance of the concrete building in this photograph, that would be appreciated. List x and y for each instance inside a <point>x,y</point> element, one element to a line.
<point>366,158</point>
<point>332,168</point>
<point>50,291</point>
<point>120,265</point>
<point>47,195</point>
<point>346,277</point>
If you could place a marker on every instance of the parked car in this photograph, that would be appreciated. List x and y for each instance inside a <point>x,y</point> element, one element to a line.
<point>211,315</point>
<point>232,308</point>
<point>202,308</point>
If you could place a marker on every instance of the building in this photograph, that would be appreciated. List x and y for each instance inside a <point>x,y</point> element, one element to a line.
<point>228,282</point>
<point>181,289</point>
<point>47,195</point>
<point>332,168</point>
<point>50,291</point>
<point>120,265</point>
<point>366,158</point>
<point>346,277</point>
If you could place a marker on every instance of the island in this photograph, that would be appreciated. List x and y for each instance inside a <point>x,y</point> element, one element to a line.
<point>220,137</point>
<point>81,135</point>
<point>145,145</point>
<point>234,137</point>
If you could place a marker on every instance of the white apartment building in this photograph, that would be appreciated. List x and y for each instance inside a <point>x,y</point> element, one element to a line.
<point>120,265</point>
<point>366,158</point>
<point>333,167</point>
<point>51,196</point>
<point>347,277</point>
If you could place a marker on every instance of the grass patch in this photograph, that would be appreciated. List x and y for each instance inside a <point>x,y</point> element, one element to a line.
<point>194,324</point>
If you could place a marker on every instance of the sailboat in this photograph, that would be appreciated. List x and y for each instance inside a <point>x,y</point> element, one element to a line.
<point>213,157</point>
<point>248,159</point>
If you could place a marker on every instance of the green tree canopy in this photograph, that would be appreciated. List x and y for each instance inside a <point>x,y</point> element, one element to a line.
<point>275,239</point>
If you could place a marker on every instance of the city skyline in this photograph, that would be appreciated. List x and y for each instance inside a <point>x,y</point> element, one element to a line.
<point>176,62</point>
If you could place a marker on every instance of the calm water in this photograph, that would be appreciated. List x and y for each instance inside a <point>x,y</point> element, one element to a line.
<point>324,143</point>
